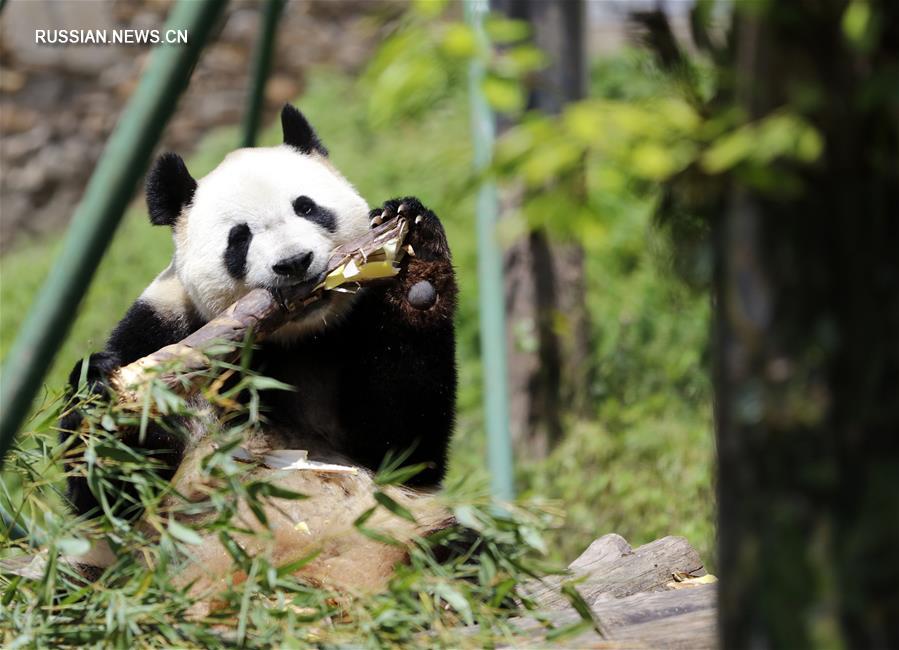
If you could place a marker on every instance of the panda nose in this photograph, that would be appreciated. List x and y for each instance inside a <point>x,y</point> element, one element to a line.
<point>295,266</point>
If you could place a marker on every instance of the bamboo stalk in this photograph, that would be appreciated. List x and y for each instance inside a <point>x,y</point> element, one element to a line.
<point>369,258</point>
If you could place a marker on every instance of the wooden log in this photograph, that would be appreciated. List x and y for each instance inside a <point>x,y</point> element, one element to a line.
<point>636,597</point>
<point>684,618</point>
<point>612,567</point>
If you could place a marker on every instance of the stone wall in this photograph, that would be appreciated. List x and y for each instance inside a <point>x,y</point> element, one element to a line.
<point>58,104</point>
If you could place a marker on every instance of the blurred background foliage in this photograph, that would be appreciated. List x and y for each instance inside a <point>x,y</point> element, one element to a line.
<point>639,460</point>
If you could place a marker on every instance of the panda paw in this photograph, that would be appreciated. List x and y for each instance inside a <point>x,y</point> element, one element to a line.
<point>425,289</point>
<point>426,235</point>
<point>100,366</point>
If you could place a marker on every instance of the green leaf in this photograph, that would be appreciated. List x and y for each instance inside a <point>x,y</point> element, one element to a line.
<point>459,41</point>
<point>399,475</point>
<point>729,150</point>
<point>502,591</point>
<point>234,550</point>
<point>581,607</point>
<point>296,565</point>
<point>456,600</point>
<point>108,423</point>
<point>73,546</point>
<point>520,60</point>
<point>532,538</point>
<point>371,533</point>
<point>856,20</point>
<point>653,161</point>
<point>184,534</point>
<point>267,383</point>
<point>394,507</point>
<point>566,632</point>
<point>429,8</point>
<point>809,145</point>
<point>486,570</point>
<point>116,451</point>
<point>219,349</point>
<point>466,516</point>
<point>265,489</point>
<point>504,31</point>
<point>504,95</point>
<point>47,414</point>
<point>10,592</point>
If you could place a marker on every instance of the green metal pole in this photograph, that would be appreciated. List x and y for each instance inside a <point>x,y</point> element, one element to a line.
<point>107,195</point>
<point>262,61</point>
<point>491,294</point>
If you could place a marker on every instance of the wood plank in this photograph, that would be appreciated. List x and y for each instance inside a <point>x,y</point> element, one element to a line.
<point>613,567</point>
<point>680,618</point>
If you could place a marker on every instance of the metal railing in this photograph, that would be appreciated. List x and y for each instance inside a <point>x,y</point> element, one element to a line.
<point>262,62</point>
<point>491,292</point>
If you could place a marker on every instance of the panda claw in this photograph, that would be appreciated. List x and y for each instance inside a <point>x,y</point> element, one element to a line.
<point>418,219</point>
<point>279,298</point>
<point>377,220</point>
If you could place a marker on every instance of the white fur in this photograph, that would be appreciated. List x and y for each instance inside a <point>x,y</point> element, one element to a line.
<point>167,295</point>
<point>257,187</point>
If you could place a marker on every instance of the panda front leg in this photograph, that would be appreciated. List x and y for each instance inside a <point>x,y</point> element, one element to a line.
<point>143,330</point>
<point>403,379</point>
<point>95,370</point>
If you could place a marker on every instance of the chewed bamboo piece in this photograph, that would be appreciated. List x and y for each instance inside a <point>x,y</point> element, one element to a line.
<point>291,459</point>
<point>373,256</point>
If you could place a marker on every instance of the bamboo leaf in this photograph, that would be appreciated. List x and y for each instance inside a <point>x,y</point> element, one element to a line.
<point>393,506</point>
<point>184,534</point>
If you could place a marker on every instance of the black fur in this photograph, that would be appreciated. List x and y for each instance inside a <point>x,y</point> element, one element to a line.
<point>169,188</point>
<point>298,133</point>
<point>386,374</point>
<point>236,254</point>
<point>381,380</point>
<point>309,209</point>
<point>142,331</point>
<point>145,330</point>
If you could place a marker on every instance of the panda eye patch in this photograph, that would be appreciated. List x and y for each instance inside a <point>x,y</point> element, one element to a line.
<point>309,209</point>
<point>304,206</point>
<point>239,238</point>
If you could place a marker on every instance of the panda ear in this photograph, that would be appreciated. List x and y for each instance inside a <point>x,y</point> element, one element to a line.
<point>298,133</point>
<point>169,188</point>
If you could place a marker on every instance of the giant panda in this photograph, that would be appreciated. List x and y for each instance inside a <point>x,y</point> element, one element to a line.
<point>373,372</point>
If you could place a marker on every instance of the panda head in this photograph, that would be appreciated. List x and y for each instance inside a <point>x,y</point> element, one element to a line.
<point>265,217</point>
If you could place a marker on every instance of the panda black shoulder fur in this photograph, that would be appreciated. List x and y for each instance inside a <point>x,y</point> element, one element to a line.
<point>372,373</point>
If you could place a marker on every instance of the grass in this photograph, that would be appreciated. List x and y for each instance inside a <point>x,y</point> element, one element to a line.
<point>641,466</point>
<point>152,595</point>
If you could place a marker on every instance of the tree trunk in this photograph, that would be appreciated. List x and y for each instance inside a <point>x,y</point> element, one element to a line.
<point>547,320</point>
<point>807,368</point>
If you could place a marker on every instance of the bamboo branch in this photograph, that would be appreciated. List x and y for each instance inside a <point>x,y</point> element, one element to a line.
<point>373,256</point>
